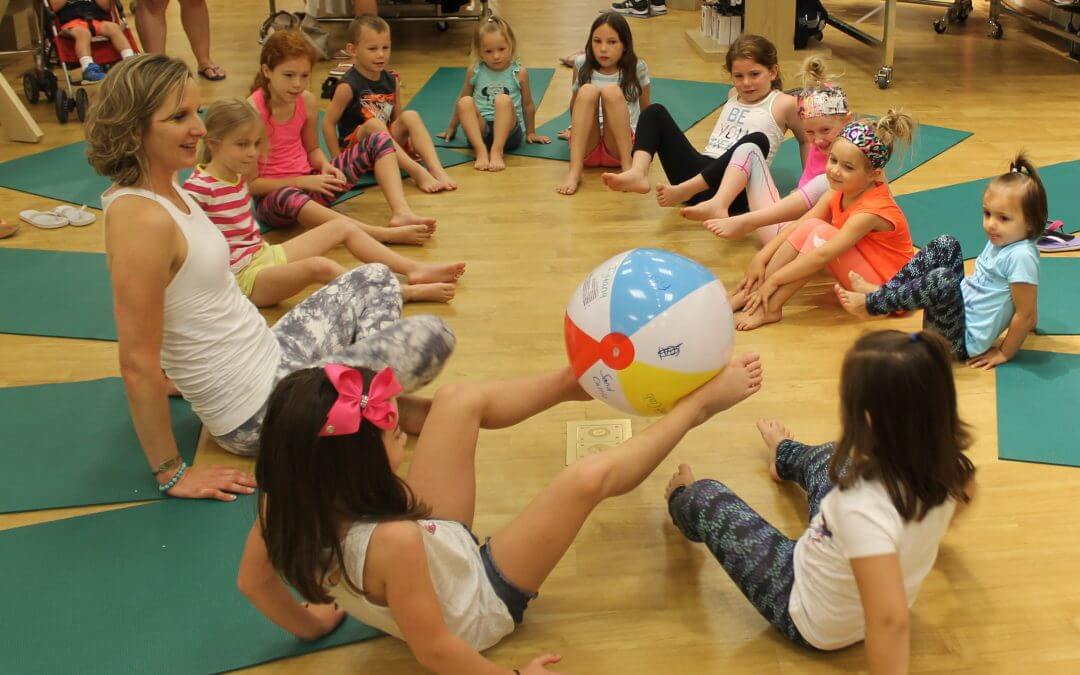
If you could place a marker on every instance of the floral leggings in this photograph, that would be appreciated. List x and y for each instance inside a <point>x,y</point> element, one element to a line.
<point>356,320</point>
<point>930,282</point>
<point>281,207</point>
<point>757,556</point>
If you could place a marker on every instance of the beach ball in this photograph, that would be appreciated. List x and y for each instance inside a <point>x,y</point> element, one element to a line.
<point>647,327</point>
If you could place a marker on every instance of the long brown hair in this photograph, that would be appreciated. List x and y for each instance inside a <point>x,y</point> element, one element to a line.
<point>900,421</point>
<point>310,485</point>
<point>757,49</point>
<point>628,79</point>
<point>1024,178</point>
<point>281,46</point>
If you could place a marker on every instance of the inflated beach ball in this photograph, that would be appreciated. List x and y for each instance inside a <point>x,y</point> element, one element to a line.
<point>646,328</point>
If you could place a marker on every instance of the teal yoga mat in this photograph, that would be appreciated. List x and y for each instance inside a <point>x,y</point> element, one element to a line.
<point>56,294</point>
<point>147,589</point>
<point>1059,281</point>
<point>957,209</point>
<point>688,101</point>
<point>73,444</point>
<point>1024,386</point>
<point>436,99</point>
<point>930,141</point>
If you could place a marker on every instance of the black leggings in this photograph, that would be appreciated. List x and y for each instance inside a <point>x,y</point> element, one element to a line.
<point>657,133</point>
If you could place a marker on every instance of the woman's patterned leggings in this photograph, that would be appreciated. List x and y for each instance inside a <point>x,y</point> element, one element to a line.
<point>930,282</point>
<point>281,207</point>
<point>356,320</point>
<point>757,556</point>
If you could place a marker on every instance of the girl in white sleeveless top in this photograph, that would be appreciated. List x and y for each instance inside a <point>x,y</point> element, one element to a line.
<point>757,112</point>
<point>339,526</point>
<point>178,307</point>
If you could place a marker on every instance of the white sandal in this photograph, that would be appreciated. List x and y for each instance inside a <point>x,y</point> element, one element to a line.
<point>78,217</point>
<point>45,220</point>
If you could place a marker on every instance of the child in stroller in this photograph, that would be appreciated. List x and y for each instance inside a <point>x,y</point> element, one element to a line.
<point>83,20</point>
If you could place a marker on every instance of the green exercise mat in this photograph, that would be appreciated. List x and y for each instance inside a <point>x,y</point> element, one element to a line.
<point>73,444</point>
<point>688,101</point>
<point>56,294</point>
<point>957,209</point>
<point>1027,387</point>
<point>147,589</point>
<point>930,141</point>
<point>1059,281</point>
<point>436,100</point>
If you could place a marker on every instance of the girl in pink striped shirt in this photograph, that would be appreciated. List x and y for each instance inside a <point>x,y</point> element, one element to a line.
<point>270,273</point>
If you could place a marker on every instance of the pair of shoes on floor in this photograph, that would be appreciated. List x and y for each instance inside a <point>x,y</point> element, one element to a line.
<point>641,9</point>
<point>1056,240</point>
<point>61,216</point>
<point>93,73</point>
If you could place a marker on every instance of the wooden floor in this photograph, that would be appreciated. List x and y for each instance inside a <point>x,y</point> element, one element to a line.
<point>632,596</point>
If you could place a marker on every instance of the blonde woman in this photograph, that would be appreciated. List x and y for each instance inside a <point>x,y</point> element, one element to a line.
<point>178,308</point>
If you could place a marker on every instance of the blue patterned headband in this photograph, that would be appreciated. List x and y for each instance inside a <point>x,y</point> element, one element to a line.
<point>864,137</point>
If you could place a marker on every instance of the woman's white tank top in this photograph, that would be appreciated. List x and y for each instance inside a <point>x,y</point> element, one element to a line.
<point>739,119</point>
<point>215,345</point>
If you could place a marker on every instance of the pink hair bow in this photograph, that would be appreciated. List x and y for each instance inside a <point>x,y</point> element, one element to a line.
<point>353,405</point>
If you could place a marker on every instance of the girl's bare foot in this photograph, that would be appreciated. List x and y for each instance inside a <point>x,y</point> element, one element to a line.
<point>627,181</point>
<point>444,179</point>
<point>439,292</point>
<point>702,211</point>
<point>681,478</point>
<point>413,235</point>
<point>726,228</point>
<point>861,285</point>
<point>407,218</point>
<point>759,317</point>
<point>496,163</point>
<point>483,161</point>
<point>671,195</point>
<point>426,274</point>
<point>772,432</point>
<point>738,299</point>
<point>739,380</point>
<point>427,183</point>
<point>853,303</point>
<point>570,184</point>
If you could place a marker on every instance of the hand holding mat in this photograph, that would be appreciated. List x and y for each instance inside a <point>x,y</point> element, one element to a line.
<point>73,444</point>
<point>150,588</point>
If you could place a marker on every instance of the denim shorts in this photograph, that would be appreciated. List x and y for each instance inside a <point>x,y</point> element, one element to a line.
<point>512,141</point>
<point>515,599</point>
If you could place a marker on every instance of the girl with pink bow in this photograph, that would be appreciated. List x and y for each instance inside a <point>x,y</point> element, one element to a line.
<point>351,536</point>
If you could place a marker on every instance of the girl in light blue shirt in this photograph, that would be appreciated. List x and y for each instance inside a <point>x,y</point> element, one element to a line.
<point>1002,294</point>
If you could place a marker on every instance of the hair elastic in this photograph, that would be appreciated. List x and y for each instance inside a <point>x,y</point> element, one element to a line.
<point>1017,168</point>
<point>913,337</point>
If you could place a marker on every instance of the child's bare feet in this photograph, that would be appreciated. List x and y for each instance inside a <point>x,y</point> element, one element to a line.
<point>726,228</point>
<point>772,432</point>
<point>438,292</point>
<point>738,299</point>
<point>681,478</point>
<point>426,274</point>
<point>427,183</point>
<point>444,179</point>
<point>483,160</point>
<point>570,184</point>
<point>757,318</point>
<point>702,211</point>
<point>413,235</point>
<point>739,380</point>
<point>407,218</point>
<point>673,195</point>
<point>627,181</point>
<point>861,285</point>
<point>496,163</point>
<point>853,303</point>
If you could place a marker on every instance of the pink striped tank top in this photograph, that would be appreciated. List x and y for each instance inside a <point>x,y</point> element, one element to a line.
<point>286,156</point>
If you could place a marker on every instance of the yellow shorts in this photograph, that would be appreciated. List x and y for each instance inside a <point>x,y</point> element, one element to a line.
<point>268,256</point>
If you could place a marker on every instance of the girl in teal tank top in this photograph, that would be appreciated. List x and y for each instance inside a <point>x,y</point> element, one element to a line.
<point>495,107</point>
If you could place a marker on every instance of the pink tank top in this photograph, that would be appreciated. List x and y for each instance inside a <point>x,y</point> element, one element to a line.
<point>286,156</point>
<point>815,165</point>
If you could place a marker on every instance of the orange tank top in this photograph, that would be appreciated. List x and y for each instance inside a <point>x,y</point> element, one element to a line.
<point>886,251</point>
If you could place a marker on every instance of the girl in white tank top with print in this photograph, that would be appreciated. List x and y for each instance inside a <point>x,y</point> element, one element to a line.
<point>737,119</point>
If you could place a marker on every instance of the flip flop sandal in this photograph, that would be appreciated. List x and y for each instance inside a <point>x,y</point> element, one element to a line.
<point>44,219</point>
<point>1056,242</point>
<point>76,217</point>
<point>1054,225</point>
<point>212,73</point>
<point>7,230</point>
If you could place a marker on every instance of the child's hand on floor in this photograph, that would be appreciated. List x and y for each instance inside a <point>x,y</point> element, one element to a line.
<point>329,617</point>
<point>449,134</point>
<point>988,359</point>
<point>537,138</point>
<point>565,134</point>
<point>538,665</point>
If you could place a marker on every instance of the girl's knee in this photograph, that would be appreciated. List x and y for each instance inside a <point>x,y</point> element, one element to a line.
<point>503,102</point>
<point>78,32</point>
<point>590,477</point>
<point>588,92</point>
<point>466,103</point>
<point>409,117</point>
<point>432,335</point>
<point>323,269</point>
<point>612,93</point>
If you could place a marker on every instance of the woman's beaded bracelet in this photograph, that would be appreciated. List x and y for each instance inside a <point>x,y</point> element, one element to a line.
<point>175,479</point>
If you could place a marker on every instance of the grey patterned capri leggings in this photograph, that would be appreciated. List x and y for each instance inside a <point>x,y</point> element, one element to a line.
<point>356,320</point>
<point>757,556</point>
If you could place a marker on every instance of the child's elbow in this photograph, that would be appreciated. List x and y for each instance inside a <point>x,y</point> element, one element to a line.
<point>893,623</point>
